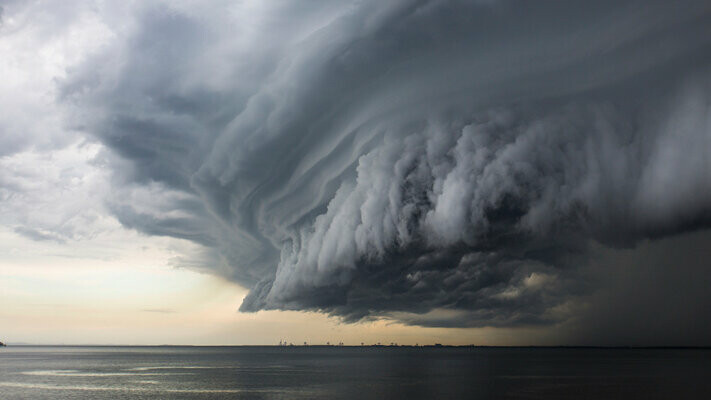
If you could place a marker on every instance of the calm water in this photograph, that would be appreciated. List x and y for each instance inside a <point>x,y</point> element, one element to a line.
<point>351,373</point>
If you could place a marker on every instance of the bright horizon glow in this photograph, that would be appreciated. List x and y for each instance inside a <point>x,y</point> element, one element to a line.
<point>138,298</point>
<point>136,302</point>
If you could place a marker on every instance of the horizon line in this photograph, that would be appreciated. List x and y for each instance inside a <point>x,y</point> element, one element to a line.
<point>435,345</point>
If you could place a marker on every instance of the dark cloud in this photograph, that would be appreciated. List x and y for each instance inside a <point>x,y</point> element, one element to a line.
<point>391,159</point>
<point>38,235</point>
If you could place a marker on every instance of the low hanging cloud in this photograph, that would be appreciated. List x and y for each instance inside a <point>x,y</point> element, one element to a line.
<point>444,163</point>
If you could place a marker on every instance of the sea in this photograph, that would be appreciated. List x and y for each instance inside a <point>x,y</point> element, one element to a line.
<point>335,372</point>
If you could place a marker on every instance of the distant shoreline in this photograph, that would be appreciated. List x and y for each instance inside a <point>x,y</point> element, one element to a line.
<point>376,346</point>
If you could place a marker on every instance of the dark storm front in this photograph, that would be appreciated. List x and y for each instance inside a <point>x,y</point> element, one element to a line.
<point>351,373</point>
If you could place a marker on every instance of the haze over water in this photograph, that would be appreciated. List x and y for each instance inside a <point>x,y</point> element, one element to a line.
<point>45,372</point>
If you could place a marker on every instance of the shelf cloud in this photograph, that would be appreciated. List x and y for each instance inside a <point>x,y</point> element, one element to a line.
<point>442,163</point>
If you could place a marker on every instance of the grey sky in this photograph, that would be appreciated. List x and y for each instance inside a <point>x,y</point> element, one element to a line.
<point>460,164</point>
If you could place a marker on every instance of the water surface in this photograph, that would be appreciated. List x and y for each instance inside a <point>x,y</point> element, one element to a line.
<point>39,372</point>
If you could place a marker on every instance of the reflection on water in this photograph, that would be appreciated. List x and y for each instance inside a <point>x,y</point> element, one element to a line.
<point>70,372</point>
<point>111,388</point>
<point>351,373</point>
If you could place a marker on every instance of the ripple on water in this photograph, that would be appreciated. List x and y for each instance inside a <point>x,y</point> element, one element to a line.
<point>44,386</point>
<point>75,373</point>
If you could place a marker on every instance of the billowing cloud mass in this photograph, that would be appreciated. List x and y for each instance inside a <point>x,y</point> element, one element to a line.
<point>444,163</point>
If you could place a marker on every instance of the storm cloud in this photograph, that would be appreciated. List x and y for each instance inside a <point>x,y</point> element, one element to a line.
<point>443,163</point>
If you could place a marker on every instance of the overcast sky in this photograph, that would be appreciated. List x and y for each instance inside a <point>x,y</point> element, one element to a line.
<point>494,171</point>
